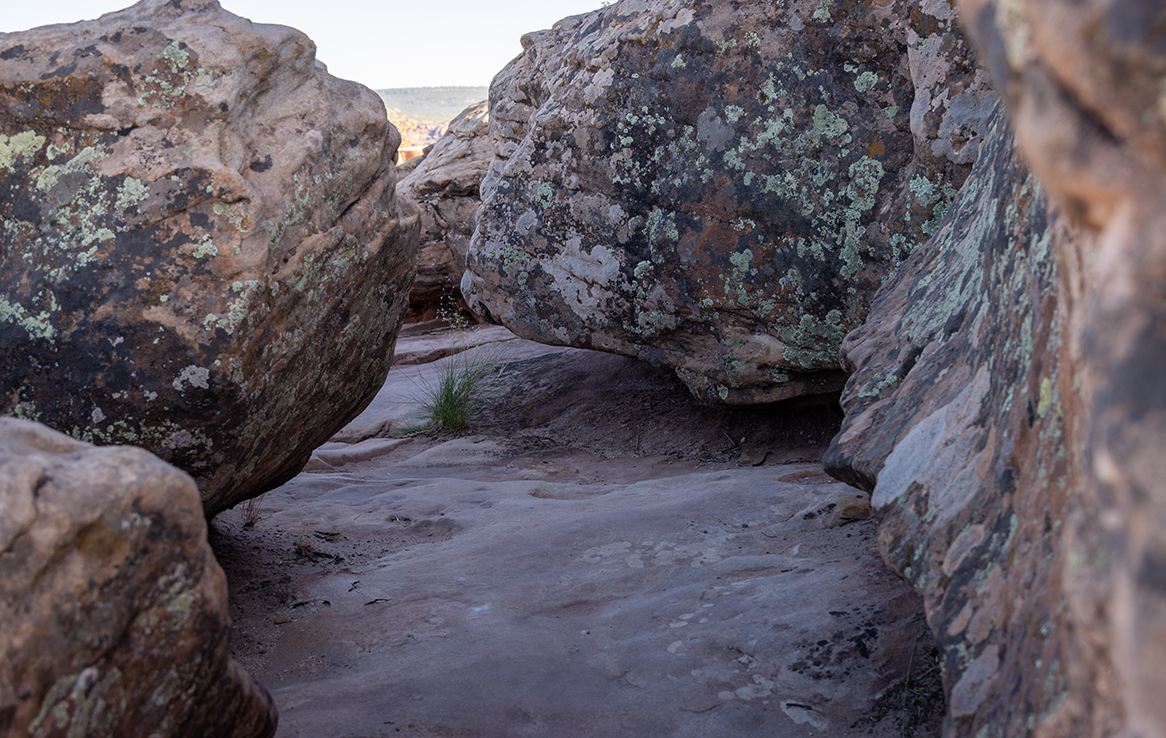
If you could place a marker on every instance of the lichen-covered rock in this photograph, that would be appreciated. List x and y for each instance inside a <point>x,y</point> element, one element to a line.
<point>720,186</point>
<point>200,250</point>
<point>446,188</point>
<point>956,422</point>
<point>114,610</point>
<point>953,94</point>
<point>1084,82</point>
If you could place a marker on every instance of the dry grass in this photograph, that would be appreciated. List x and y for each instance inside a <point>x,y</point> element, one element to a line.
<point>918,703</point>
<point>251,512</point>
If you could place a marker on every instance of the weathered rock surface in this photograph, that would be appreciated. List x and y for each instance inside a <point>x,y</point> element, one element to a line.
<point>720,187</point>
<point>1006,408</point>
<point>201,250</point>
<point>576,566</point>
<point>955,423</point>
<point>114,610</point>
<point>446,187</point>
<point>1084,83</point>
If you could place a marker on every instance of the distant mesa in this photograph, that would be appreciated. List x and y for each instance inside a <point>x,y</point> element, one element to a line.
<point>438,103</point>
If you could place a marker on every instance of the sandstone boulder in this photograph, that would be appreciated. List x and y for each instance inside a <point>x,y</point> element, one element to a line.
<point>114,609</point>
<point>446,188</point>
<point>720,187</point>
<point>201,252</point>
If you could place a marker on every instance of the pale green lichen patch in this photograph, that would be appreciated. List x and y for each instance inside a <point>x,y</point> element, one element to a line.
<point>936,196</point>
<point>240,308</point>
<point>131,193</point>
<point>204,248</point>
<point>24,145</point>
<point>827,124</point>
<point>81,704</point>
<point>742,261</point>
<point>812,343</point>
<point>545,195</point>
<point>177,56</point>
<point>166,87</point>
<point>37,325</point>
<point>876,389</point>
<point>866,81</point>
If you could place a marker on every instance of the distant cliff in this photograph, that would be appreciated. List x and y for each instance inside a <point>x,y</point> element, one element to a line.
<point>415,132</point>
<point>422,114</point>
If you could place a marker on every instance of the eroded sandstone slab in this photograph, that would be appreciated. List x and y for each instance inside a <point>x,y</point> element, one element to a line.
<point>595,559</point>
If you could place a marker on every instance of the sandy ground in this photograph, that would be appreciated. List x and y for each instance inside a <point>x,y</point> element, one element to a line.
<point>597,555</point>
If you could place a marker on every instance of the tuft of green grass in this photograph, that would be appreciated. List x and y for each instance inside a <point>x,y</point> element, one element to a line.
<point>450,401</point>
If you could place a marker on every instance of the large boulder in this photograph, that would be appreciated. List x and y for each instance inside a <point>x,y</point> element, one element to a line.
<point>721,187</point>
<point>114,609</point>
<point>201,252</point>
<point>446,188</point>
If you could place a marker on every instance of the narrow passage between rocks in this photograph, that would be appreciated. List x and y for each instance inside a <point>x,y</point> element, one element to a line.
<point>599,555</point>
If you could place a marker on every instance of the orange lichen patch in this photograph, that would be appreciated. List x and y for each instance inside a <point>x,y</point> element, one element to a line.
<point>877,148</point>
<point>154,290</point>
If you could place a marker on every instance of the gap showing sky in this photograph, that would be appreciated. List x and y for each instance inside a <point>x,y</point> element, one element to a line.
<point>379,43</point>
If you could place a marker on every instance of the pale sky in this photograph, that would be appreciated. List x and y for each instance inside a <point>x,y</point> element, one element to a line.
<point>379,43</point>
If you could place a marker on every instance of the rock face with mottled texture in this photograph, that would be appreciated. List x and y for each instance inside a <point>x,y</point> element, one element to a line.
<point>114,609</point>
<point>446,188</point>
<point>956,423</point>
<point>200,249</point>
<point>1006,407</point>
<point>1084,79</point>
<point>720,187</point>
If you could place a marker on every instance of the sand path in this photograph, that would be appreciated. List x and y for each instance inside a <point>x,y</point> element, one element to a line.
<point>598,556</point>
